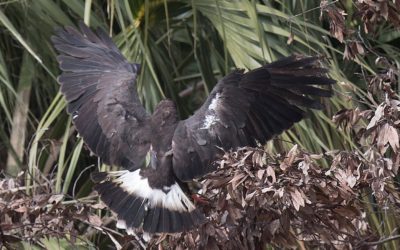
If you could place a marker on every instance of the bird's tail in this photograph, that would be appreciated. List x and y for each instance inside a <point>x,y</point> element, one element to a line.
<point>129,195</point>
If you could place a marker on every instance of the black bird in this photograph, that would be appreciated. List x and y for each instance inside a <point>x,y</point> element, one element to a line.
<point>243,109</point>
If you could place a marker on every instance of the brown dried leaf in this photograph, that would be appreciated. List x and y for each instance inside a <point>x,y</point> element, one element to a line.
<point>95,220</point>
<point>378,115</point>
<point>271,173</point>
<point>290,157</point>
<point>238,179</point>
<point>385,132</point>
<point>234,213</point>
<point>336,18</point>
<point>99,205</point>
<point>393,138</point>
<point>297,199</point>
<point>21,209</point>
<point>260,174</point>
<point>56,198</point>
<point>290,39</point>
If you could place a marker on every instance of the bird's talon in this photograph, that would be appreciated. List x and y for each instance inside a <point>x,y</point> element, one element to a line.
<point>198,199</point>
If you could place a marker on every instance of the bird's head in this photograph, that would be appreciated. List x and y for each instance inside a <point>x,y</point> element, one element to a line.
<point>166,112</point>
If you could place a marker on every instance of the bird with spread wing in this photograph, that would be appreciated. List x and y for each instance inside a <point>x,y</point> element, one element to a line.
<point>243,109</point>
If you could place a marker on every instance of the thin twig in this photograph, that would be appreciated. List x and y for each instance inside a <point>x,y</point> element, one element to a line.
<point>312,9</point>
<point>374,243</point>
<point>13,190</point>
<point>79,176</point>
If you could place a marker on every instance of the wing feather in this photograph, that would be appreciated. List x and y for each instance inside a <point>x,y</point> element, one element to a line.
<point>246,108</point>
<point>99,86</point>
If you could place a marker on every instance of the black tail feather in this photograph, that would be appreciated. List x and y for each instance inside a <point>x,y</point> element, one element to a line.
<point>134,211</point>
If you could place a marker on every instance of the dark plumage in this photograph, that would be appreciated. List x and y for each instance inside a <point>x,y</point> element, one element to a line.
<point>242,109</point>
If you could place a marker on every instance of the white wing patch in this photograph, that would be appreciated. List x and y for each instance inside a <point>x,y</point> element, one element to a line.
<point>175,199</point>
<point>212,118</point>
<point>209,121</point>
<point>214,102</point>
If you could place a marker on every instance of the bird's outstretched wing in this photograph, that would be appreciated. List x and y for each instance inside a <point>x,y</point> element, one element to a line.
<point>244,108</point>
<point>99,85</point>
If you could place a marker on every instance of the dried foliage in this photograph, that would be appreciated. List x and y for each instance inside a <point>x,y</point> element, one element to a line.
<point>369,14</point>
<point>257,199</point>
<point>378,131</point>
<point>32,218</point>
<point>339,30</point>
<point>253,199</point>
<point>352,49</point>
<point>336,19</point>
<point>372,13</point>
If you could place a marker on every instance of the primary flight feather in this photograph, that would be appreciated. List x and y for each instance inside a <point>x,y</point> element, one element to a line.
<point>243,109</point>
